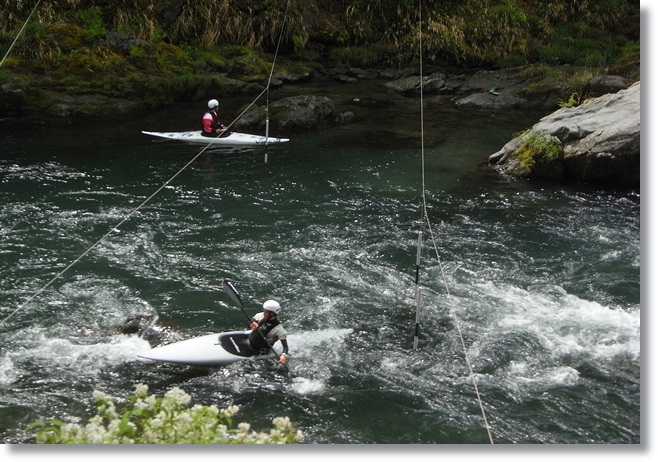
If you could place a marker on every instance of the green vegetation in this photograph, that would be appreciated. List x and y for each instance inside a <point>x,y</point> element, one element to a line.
<point>536,149</point>
<point>168,50</point>
<point>475,32</point>
<point>147,419</point>
<point>573,101</point>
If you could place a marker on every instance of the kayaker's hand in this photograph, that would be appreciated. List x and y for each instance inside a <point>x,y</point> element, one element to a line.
<point>253,325</point>
<point>282,359</point>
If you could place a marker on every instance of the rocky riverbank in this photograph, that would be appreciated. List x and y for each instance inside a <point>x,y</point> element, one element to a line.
<point>606,153</point>
<point>596,142</point>
<point>484,89</point>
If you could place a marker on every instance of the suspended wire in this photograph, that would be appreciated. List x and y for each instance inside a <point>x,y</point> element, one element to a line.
<point>459,331</point>
<point>269,81</point>
<point>423,208</point>
<point>426,221</point>
<point>116,227</point>
<point>266,90</point>
<point>20,32</point>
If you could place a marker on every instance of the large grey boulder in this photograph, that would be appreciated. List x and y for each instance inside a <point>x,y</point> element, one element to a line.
<point>411,85</point>
<point>289,114</point>
<point>596,142</point>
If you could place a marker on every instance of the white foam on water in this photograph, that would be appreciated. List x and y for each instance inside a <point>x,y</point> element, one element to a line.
<point>57,357</point>
<point>530,340</point>
<point>306,343</point>
<point>521,377</point>
<point>564,323</point>
<point>8,373</point>
<point>307,386</point>
<point>312,353</point>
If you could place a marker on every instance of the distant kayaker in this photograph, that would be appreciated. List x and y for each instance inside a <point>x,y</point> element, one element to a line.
<point>266,330</point>
<point>212,127</point>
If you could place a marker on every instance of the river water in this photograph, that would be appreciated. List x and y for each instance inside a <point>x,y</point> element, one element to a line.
<point>542,280</point>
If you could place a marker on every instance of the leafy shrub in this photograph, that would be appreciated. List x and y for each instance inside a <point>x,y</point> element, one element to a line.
<point>536,148</point>
<point>573,101</point>
<point>147,419</point>
<point>90,19</point>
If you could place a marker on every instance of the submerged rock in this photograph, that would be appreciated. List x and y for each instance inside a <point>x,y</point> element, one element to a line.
<point>148,328</point>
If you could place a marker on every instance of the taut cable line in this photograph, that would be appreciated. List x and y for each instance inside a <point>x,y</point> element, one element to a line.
<point>269,81</point>
<point>425,221</point>
<point>19,33</point>
<point>423,209</point>
<point>116,227</point>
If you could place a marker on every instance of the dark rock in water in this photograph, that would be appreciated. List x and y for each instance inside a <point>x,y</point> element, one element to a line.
<point>147,327</point>
<point>363,74</point>
<point>11,101</point>
<point>345,117</point>
<point>289,114</point>
<point>411,85</point>
<point>136,324</point>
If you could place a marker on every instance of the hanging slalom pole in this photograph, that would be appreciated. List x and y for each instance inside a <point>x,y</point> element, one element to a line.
<point>418,291</point>
<point>425,220</point>
<point>267,126</point>
<point>423,213</point>
<point>267,130</point>
<point>269,81</point>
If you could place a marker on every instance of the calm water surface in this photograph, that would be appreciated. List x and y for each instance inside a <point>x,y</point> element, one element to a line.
<point>544,280</point>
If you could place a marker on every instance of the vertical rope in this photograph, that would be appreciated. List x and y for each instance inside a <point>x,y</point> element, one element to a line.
<point>459,334</point>
<point>269,81</point>
<point>422,174</point>
<point>425,219</point>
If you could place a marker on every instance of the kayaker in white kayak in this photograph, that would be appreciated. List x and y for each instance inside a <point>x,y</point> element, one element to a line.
<point>266,330</point>
<point>212,127</point>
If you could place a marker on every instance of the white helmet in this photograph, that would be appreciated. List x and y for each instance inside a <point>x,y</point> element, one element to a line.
<point>213,103</point>
<point>272,305</point>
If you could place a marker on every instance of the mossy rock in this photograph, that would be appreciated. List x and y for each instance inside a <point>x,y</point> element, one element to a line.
<point>537,155</point>
<point>249,69</point>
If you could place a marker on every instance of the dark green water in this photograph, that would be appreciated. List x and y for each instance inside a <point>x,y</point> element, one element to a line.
<point>544,280</point>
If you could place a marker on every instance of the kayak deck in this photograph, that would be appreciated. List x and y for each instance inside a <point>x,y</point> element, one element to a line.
<point>208,350</point>
<point>234,139</point>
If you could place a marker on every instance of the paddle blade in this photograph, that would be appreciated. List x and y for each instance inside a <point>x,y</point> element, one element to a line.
<point>232,292</point>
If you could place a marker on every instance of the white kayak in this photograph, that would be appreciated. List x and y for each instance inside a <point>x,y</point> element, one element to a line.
<point>209,350</point>
<point>234,139</point>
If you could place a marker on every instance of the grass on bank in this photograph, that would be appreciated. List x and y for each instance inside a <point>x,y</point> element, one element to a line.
<point>138,49</point>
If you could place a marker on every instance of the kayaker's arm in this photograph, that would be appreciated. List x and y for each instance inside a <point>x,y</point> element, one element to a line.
<point>283,356</point>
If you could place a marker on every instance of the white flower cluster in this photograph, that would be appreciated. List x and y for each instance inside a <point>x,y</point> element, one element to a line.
<point>146,419</point>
